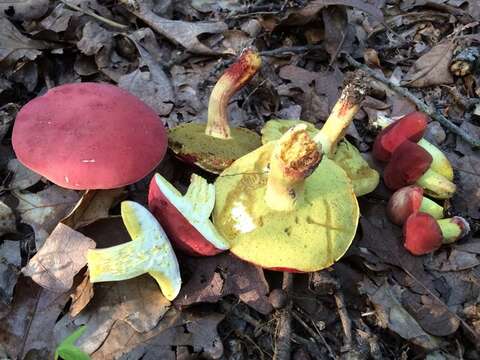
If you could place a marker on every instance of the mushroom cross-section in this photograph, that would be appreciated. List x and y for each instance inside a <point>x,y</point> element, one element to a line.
<point>89,136</point>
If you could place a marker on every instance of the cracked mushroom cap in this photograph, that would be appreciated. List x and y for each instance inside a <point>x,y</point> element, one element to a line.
<point>89,136</point>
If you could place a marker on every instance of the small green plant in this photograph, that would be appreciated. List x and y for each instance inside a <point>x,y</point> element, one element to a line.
<point>67,349</point>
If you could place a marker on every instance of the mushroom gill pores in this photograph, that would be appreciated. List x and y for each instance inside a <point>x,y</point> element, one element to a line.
<point>310,235</point>
<point>287,206</point>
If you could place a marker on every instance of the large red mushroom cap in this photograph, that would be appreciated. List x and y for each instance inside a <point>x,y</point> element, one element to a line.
<point>410,127</point>
<point>89,136</point>
<point>422,234</point>
<point>407,164</point>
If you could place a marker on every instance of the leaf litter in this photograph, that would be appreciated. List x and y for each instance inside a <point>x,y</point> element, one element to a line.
<point>169,55</point>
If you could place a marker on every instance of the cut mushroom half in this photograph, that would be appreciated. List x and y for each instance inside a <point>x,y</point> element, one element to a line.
<point>186,218</point>
<point>149,252</point>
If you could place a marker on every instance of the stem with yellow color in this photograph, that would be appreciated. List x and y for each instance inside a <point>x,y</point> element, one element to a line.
<point>234,78</point>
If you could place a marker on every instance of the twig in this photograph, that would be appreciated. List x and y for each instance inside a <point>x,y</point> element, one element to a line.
<point>291,49</point>
<point>316,335</point>
<point>419,103</point>
<point>284,333</point>
<point>344,318</point>
<point>96,16</point>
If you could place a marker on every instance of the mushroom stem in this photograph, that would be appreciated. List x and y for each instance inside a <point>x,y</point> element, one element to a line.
<point>294,158</point>
<point>232,80</point>
<point>148,252</point>
<point>453,229</point>
<point>431,207</point>
<point>436,185</point>
<point>342,114</point>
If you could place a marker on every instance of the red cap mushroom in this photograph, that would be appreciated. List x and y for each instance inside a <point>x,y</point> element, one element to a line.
<point>409,200</point>
<point>186,219</point>
<point>89,136</point>
<point>423,234</point>
<point>409,164</point>
<point>410,127</point>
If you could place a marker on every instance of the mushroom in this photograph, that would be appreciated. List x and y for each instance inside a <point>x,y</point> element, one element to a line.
<point>286,206</point>
<point>409,200</point>
<point>89,136</point>
<point>186,219</point>
<point>149,251</point>
<point>410,164</point>
<point>364,178</point>
<point>214,146</point>
<point>410,127</point>
<point>424,234</point>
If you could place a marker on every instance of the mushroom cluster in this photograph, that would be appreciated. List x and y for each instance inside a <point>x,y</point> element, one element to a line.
<point>416,168</point>
<point>409,162</point>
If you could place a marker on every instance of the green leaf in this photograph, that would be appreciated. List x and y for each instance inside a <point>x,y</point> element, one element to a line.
<point>67,349</point>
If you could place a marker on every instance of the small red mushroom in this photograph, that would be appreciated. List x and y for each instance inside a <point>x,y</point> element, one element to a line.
<point>89,136</point>
<point>407,164</point>
<point>423,234</point>
<point>409,200</point>
<point>411,127</point>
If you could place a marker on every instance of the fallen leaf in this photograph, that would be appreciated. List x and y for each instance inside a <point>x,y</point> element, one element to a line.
<point>92,206</point>
<point>149,82</point>
<point>43,210</point>
<point>29,324</point>
<point>338,34</point>
<point>81,296</point>
<point>22,177</point>
<point>23,10</point>
<point>467,198</point>
<point>61,257</point>
<point>218,276</point>
<point>179,32</point>
<point>462,145</point>
<point>392,315</point>
<point>453,260</point>
<point>309,12</point>
<point>94,38</point>
<point>432,317</point>
<point>176,329</point>
<point>10,262</point>
<point>385,240</point>
<point>7,220</point>
<point>138,302</point>
<point>432,68</point>
<point>15,46</point>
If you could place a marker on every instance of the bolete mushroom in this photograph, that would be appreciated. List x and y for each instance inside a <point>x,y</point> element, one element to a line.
<point>214,146</point>
<point>186,219</point>
<point>89,136</point>
<point>285,206</point>
<point>410,164</point>
<point>409,200</point>
<point>148,252</point>
<point>424,234</point>
<point>364,178</point>
<point>410,127</point>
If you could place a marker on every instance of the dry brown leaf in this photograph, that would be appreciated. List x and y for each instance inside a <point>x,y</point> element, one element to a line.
<point>392,315</point>
<point>432,68</point>
<point>94,205</point>
<point>467,198</point>
<point>217,276</point>
<point>61,257</point>
<point>29,324</point>
<point>81,296</point>
<point>44,210</point>
<point>179,32</point>
<point>176,329</point>
<point>138,302</point>
<point>22,177</point>
<point>23,9</point>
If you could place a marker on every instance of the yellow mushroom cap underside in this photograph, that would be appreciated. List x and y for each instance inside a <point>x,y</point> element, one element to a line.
<point>311,237</point>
